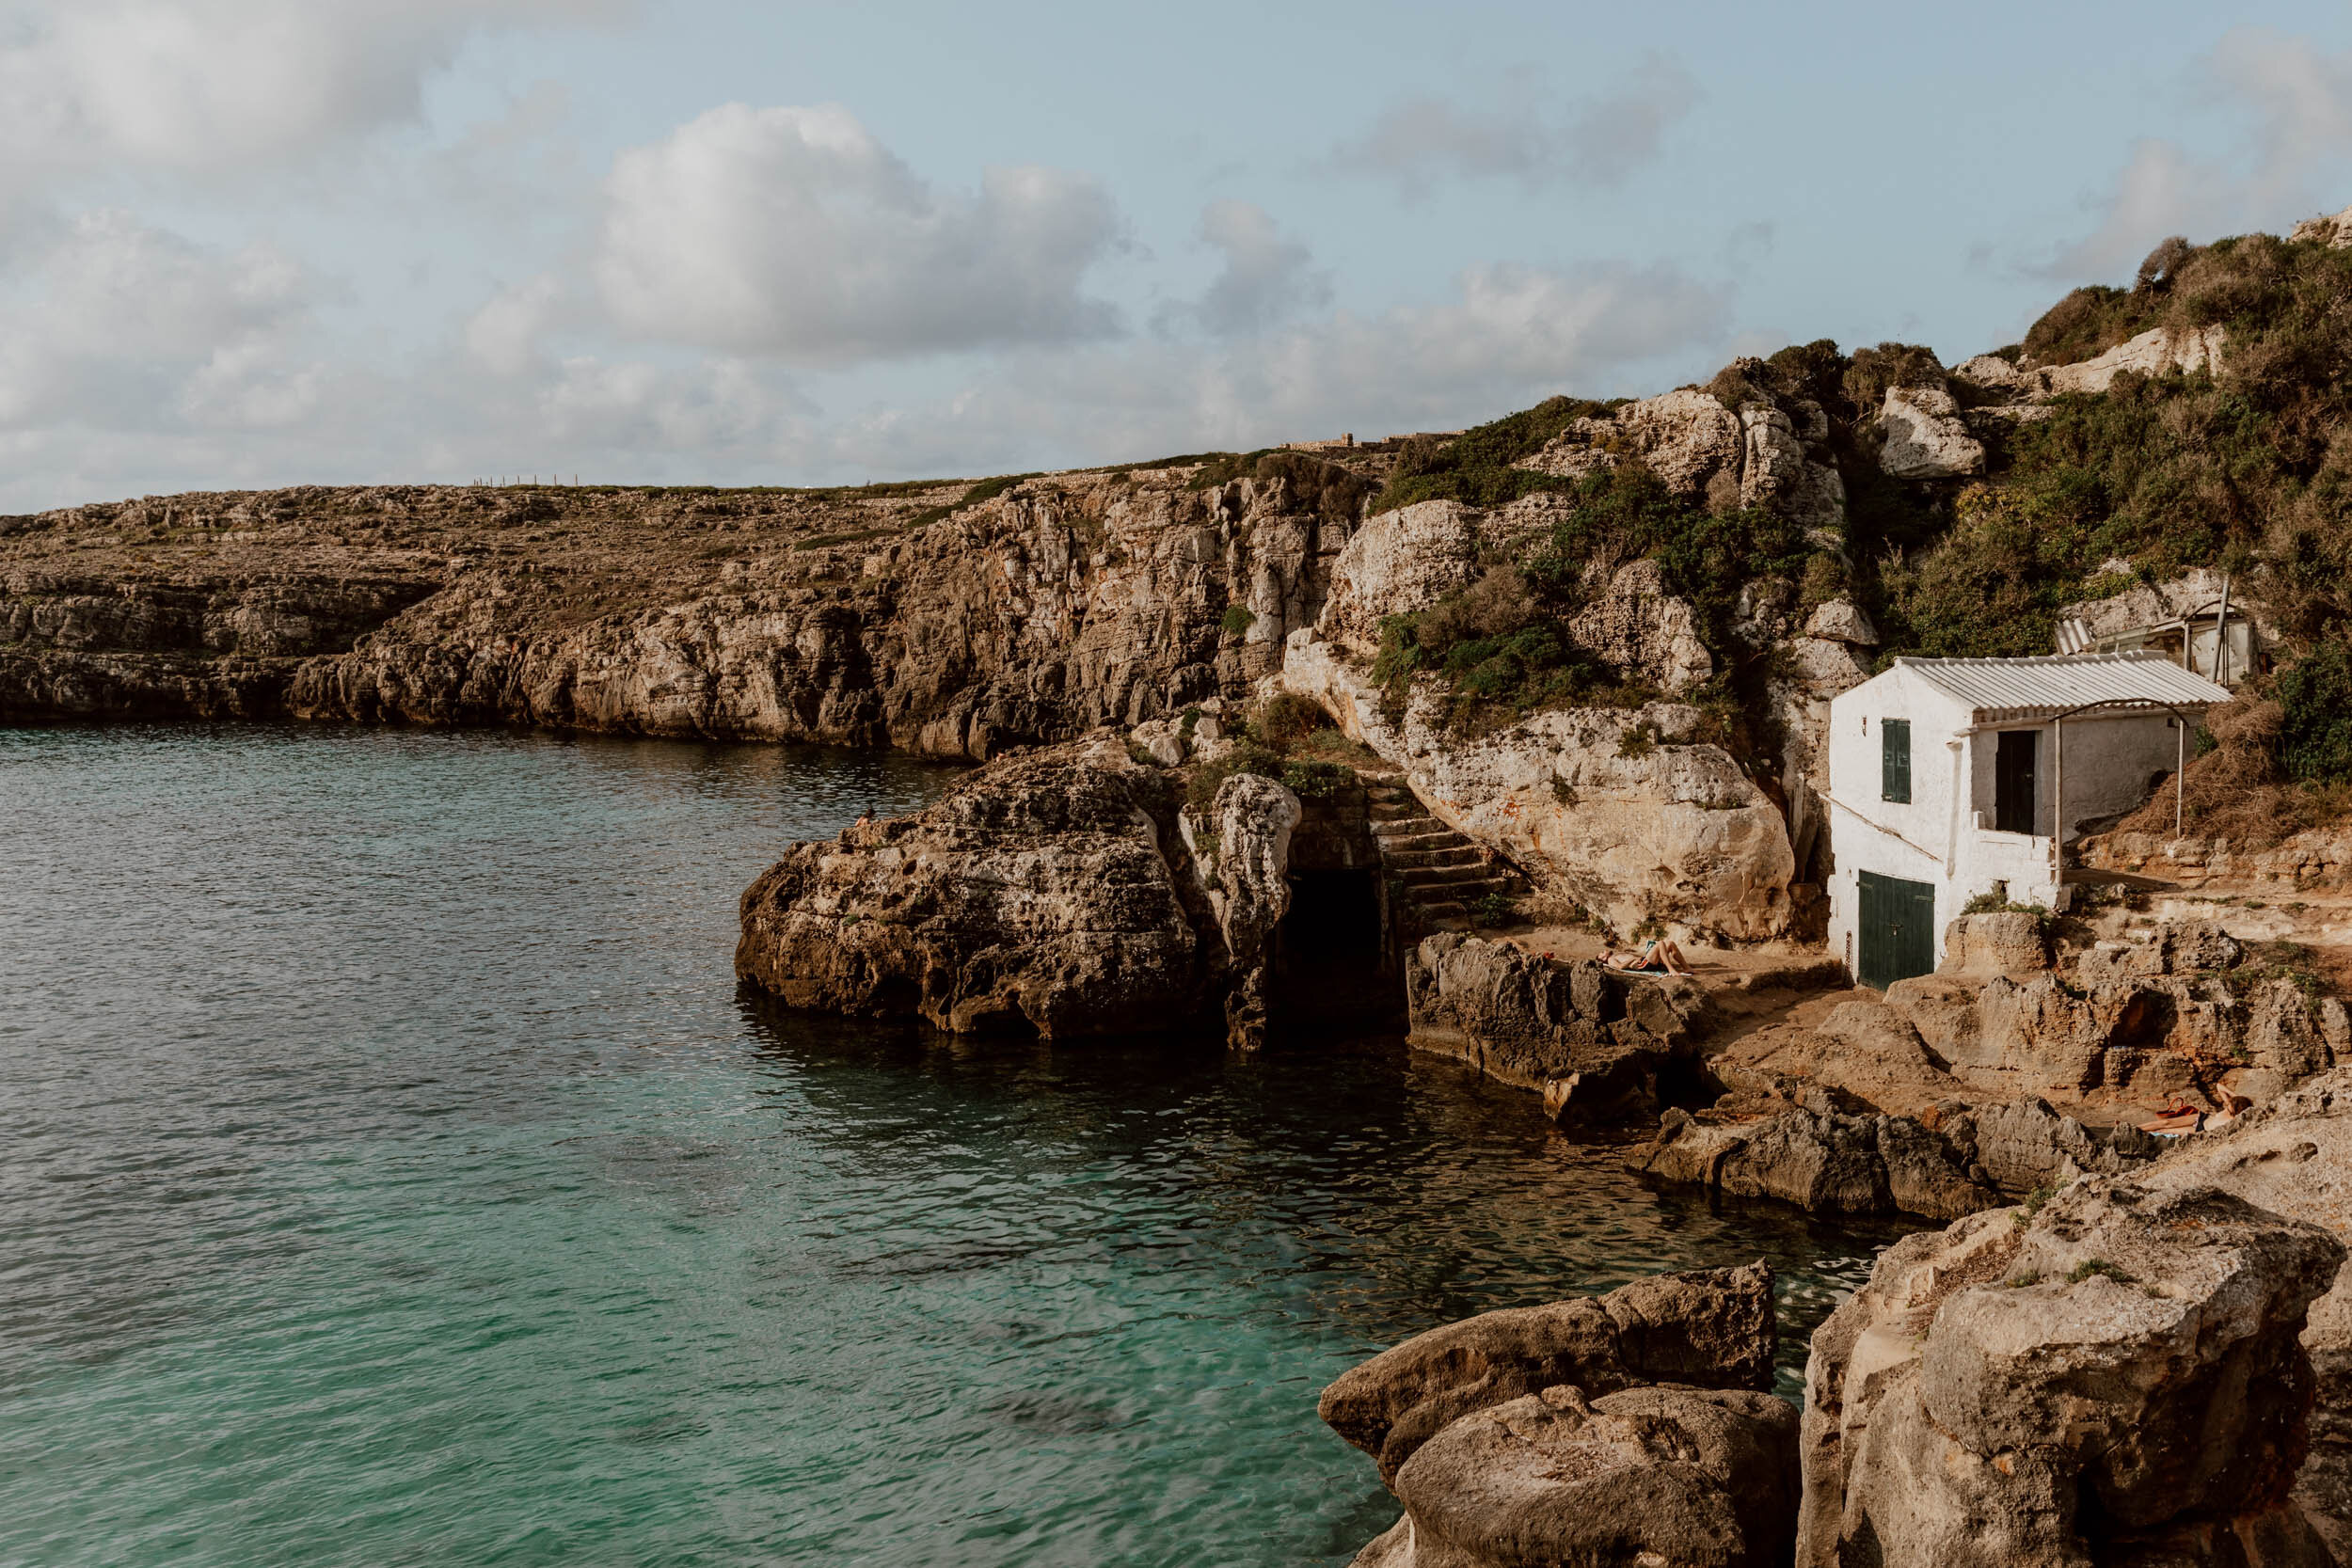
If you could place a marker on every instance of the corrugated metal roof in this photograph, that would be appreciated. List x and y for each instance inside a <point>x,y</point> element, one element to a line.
<point>2021,688</point>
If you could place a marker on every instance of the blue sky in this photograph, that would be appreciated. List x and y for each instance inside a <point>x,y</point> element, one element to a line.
<point>266,241</point>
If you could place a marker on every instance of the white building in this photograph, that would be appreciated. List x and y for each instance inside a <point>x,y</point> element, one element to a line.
<point>1946,778</point>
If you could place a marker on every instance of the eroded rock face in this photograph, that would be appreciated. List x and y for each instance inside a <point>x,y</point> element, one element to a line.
<point>1625,812</point>
<point>1643,631</point>
<point>2116,1378</point>
<point>1923,436</point>
<point>1595,1043</point>
<point>2293,1157</point>
<point>1040,894</point>
<point>1245,866</point>
<point>1710,1328</point>
<point>1642,1477</point>
<point>1066,602</point>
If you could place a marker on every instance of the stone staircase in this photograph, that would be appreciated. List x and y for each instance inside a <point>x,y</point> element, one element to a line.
<point>1442,874</point>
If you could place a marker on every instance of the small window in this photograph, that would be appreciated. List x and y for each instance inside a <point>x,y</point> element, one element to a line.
<point>1895,759</point>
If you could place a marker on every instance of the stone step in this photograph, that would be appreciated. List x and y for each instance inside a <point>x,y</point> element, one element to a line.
<point>1417,877</point>
<point>1427,826</point>
<point>1434,855</point>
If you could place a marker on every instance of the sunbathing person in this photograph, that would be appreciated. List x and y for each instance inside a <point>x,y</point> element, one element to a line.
<point>1660,957</point>
<point>2180,1117</point>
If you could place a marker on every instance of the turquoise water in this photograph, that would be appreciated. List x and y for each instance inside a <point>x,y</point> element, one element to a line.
<point>393,1174</point>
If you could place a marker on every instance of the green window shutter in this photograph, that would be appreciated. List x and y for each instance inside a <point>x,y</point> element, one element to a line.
<point>1895,768</point>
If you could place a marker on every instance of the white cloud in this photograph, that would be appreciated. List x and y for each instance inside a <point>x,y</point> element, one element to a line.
<point>124,324</point>
<point>2295,103</point>
<point>503,336</point>
<point>1420,142</point>
<point>201,84</point>
<point>1267,278</point>
<point>792,233</point>
<point>1511,336</point>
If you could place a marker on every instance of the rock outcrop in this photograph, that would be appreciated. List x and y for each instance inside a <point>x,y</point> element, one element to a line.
<point>1625,811</point>
<point>2115,1378</point>
<point>1584,1431</point>
<point>1922,435</point>
<point>2154,352</point>
<point>1594,1041</point>
<point>1051,891</point>
<point>1756,454</point>
<point>1647,1476</point>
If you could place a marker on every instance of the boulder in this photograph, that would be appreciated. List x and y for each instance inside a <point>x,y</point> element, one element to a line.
<point>1685,437</point>
<point>1712,1328</point>
<point>1923,436</point>
<point>1594,1041</point>
<point>1398,563</point>
<point>2334,230</point>
<point>2114,1378</point>
<point>1249,889</point>
<point>1646,1476</point>
<point>1043,894</point>
<point>1842,621</point>
<point>2006,942</point>
<point>2293,1157</point>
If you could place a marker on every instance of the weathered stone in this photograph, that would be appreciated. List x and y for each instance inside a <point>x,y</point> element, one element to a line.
<point>2006,943</point>
<point>1645,631</point>
<point>2116,1379</point>
<point>1647,1476</point>
<point>1039,894</point>
<point>1685,437</point>
<point>1842,621</point>
<point>1923,437</point>
<point>1712,1328</point>
<point>1625,812</point>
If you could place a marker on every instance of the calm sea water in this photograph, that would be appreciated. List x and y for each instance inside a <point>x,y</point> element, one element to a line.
<point>392,1174</point>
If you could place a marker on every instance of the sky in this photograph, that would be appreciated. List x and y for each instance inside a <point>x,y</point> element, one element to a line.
<point>254,242</point>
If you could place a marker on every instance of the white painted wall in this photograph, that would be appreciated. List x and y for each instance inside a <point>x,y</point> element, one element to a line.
<point>1944,835</point>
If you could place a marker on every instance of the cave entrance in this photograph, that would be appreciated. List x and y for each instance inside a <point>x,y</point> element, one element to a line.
<point>1333,967</point>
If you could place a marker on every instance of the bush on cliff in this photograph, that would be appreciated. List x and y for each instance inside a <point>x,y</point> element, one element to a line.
<point>1475,467</point>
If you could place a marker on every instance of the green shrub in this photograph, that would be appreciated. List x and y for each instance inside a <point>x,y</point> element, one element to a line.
<point>1287,719</point>
<point>1475,467</point>
<point>1315,781</point>
<point>1239,618</point>
<point>2315,696</point>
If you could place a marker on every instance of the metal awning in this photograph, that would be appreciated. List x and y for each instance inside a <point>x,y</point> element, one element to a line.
<point>2006,691</point>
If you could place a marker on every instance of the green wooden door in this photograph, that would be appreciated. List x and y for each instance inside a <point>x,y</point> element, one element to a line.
<point>1896,932</point>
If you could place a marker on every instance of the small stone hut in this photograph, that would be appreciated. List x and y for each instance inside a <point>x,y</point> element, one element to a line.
<point>1951,778</point>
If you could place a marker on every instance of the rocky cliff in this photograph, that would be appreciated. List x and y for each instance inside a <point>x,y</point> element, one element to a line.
<point>952,619</point>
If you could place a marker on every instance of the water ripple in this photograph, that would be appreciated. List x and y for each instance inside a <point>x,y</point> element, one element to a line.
<point>396,1174</point>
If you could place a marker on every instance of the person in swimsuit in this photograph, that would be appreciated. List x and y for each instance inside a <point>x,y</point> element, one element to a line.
<point>1660,957</point>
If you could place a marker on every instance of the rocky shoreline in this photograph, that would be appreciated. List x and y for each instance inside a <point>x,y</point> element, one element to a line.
<point>1215,794</point>
<point>2144,1371</point>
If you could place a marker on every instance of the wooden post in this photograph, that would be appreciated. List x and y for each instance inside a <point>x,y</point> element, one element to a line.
<point>2058,807</point>
<point>2220,630</point>
<point>2180,774</point>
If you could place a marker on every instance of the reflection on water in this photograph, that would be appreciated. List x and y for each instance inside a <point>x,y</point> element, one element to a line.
<point>396,1173</point>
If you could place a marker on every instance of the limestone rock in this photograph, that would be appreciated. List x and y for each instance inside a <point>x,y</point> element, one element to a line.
<point>2006,942</point>
<point>1064,603</point>
<point>2335,230</point>
<point>1250,890</point>
<point>1842,621</point>
<point>1627,813</point>
<point>1640,1477</point>
<point>1685,437</point>
<point>1643,631</point>
<point>1038,894</point>
<point>2118,1379</point>
<point>2293,1157</point>
<point>1592,1040</point>
<point>1398,563</point>
<point>1923,436</point>
<point>1710,1328</point>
